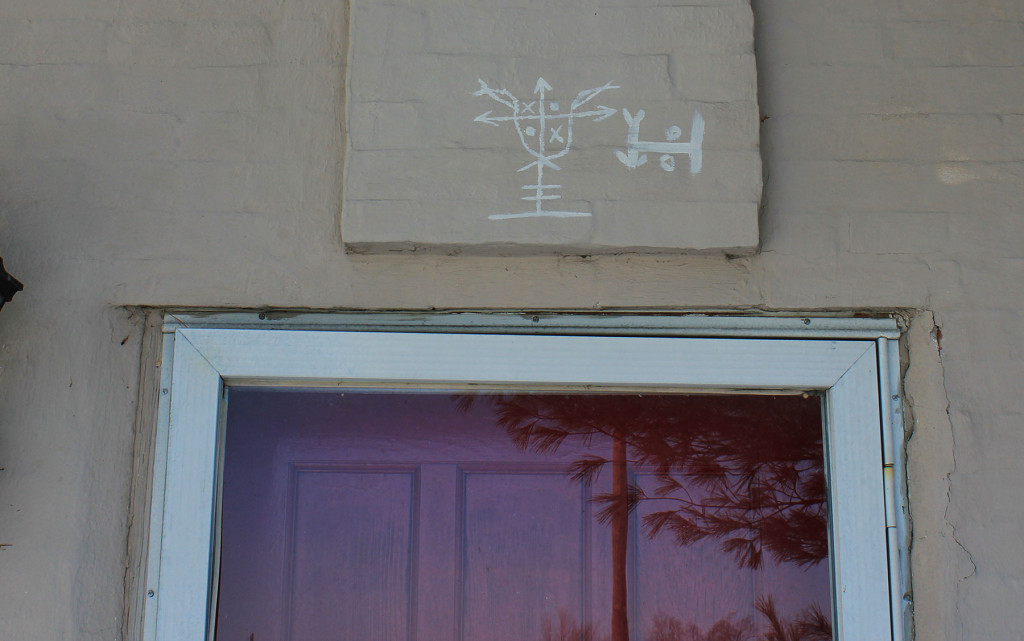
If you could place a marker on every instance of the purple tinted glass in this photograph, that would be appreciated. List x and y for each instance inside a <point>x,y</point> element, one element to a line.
<point>426,516</point>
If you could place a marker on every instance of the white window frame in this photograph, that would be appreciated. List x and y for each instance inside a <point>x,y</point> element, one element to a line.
<point>866,536</point>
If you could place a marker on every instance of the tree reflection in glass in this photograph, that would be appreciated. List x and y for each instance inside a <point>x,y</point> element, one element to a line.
<point>405,515</point>
<point>744,471</point>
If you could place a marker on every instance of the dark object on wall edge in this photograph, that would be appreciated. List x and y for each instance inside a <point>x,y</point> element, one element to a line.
<point>9,285</point>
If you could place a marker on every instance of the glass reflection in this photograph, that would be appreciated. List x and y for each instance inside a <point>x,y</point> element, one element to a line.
<point>386,515</point>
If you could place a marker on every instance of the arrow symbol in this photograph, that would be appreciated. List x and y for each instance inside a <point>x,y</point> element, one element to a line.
<point>633,160</point>
<point>483,118</point>
<point>600,113</point>
<point>541,86</point>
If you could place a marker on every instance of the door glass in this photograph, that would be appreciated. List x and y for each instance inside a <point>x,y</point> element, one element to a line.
<point>397,515</point>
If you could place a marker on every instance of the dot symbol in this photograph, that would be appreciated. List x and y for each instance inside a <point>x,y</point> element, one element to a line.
<point>673,133</point>
<point>530,131</point>
<point>553,106</point>
<point>668,162</point>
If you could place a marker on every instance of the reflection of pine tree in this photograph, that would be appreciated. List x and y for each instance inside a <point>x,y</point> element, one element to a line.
<point>567,629</point>
<point>744,470</point>
<point>810,625</point>
<point>730,628</point>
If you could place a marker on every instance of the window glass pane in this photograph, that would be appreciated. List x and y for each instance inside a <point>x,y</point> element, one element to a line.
<point>394,515</point>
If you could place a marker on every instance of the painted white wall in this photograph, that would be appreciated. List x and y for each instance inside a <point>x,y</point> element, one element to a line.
<point>190,153</point>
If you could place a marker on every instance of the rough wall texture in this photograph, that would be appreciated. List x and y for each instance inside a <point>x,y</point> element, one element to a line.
<point>433,165</point>
<point>189,154</point>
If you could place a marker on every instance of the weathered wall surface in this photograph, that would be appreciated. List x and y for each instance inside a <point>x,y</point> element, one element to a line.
<point>189,154</point>
<point>430,167</point>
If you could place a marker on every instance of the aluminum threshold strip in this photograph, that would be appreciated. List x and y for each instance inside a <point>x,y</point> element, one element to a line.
<point>694,325</point>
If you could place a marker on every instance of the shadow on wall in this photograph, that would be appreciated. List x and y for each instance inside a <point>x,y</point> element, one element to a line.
<point>9,285</point>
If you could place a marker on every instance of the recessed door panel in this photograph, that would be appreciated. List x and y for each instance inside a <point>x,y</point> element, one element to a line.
<point>525,552</point>
<point>352,554</point>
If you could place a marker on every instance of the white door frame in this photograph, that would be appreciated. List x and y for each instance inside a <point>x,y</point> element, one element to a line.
<point>863,501</point>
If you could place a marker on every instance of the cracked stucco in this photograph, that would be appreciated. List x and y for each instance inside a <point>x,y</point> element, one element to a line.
<point>931,465</point>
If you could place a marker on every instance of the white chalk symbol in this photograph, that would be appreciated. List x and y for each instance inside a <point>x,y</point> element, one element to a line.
<point>540,122</point>
<point>636,149</point>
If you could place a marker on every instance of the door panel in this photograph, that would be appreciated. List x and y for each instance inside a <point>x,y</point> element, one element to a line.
<point>352,555</point>
<point>524,557</point>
